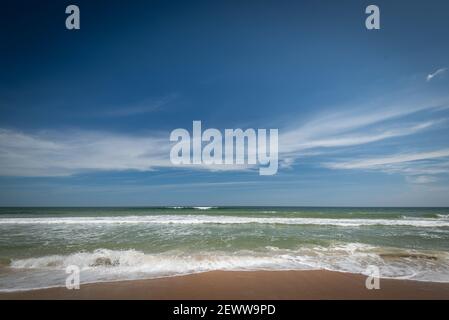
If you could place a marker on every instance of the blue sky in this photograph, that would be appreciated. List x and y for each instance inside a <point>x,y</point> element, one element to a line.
<point>363,116</point>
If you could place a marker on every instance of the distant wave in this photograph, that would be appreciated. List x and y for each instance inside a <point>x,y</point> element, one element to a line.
<point>198,208</point>
<point>207,219</point>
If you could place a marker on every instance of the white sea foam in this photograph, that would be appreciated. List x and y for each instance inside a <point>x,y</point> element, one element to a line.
<point>111,265</point>
<point>198,208</point>
<point>207,219</point>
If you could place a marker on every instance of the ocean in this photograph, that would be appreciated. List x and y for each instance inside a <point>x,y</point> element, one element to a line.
<point>111,244</point>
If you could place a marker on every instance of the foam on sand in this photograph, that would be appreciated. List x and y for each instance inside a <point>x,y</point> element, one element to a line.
<point>110,265</point>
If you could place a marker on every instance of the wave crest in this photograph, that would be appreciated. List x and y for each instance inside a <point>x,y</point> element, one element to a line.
<point>208,219</point>
<point>350,257</point>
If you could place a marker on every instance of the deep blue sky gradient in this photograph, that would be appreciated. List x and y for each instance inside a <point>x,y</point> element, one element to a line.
<point>147,67</point>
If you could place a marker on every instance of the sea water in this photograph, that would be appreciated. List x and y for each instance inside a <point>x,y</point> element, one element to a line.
<point>111,244</point>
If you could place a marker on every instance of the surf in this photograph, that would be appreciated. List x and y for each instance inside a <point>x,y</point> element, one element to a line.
<point>208,219</point>
<point>113,265</point>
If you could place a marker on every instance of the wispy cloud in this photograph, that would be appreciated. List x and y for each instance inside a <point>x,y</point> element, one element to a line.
<point>353,128</point>
<point>142,107</point>
<point>72,152</point>
<point>329,136</point>
<point>435,166</point>
<point>67,153</point>
<point>421,179</point>
<point>436,73</point>
<point>379,162</point>
<point>345,140</point>
<point>418,168</point>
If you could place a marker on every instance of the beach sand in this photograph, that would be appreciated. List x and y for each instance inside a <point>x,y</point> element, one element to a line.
<point>260,285</point>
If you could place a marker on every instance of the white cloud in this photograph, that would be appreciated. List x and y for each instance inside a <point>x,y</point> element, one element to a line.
<point>421,179</point>
<point>66,153</point>
<point>436,73</point>
<point>293,145</point>
<point>142,107</point>
<point>353,127</point>
<point>380,162</point>
<point>422,167</point>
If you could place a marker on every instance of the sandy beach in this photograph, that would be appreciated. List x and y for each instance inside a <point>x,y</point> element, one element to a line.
<point>258,285</point>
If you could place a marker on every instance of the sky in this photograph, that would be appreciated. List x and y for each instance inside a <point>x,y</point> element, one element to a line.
<point>85,115</point>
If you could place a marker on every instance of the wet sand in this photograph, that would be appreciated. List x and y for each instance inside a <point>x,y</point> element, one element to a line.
<point>259,285</point>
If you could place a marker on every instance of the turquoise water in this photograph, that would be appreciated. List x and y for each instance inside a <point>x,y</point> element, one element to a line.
<point>37,244</point>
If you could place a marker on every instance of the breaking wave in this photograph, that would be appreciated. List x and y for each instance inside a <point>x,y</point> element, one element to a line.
<point>205,219</point>
<point>111,265</point>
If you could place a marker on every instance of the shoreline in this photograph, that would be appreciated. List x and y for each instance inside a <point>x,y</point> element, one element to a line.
<point>241,285</point>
